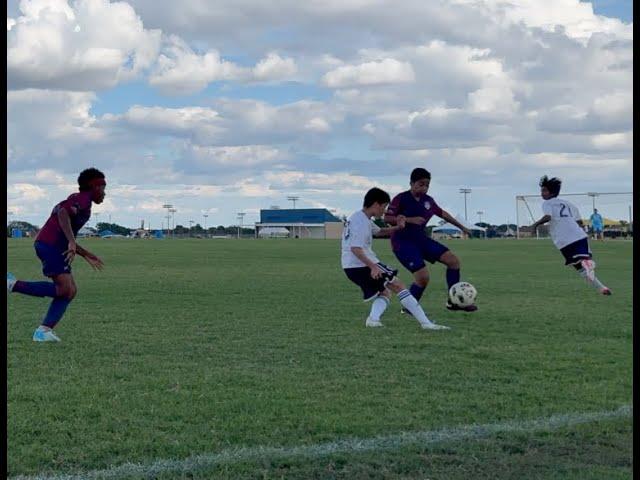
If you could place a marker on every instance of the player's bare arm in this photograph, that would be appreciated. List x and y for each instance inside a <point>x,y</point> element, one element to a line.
<point>65,224</point>
<point>375,270</point>
<point>92,259</point>
<point>447,217</point>
<point>386,231</point>
<point>542,221</point>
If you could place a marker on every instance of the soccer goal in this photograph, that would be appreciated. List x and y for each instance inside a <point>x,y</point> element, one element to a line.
<point>616,209</point>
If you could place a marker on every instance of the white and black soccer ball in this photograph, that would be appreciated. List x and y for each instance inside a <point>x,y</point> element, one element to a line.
<point>463,294</point>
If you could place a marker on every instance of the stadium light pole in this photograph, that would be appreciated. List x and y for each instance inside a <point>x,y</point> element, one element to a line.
<point>241,218</point>
<point>191,222</point>
<point>465,192</point>
<point>593,196</point>
<point>173,218</point>
<point>480,213</point>
<point>96,214</point>
<point>293,198</point>
<point>168,206</point>
<point>205,221</point>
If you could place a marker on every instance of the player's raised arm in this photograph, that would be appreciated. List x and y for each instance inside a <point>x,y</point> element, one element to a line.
<point>447,217</point>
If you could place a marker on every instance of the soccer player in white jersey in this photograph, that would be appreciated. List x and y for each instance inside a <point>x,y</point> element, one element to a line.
<point>362,267</point>
<point>566,229</point>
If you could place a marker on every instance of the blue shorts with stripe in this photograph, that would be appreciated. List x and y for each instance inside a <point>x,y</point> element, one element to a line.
<point>370,286</point>
<point>413,254</point>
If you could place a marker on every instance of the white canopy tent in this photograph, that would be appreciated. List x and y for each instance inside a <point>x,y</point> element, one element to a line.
<point>274,232</point>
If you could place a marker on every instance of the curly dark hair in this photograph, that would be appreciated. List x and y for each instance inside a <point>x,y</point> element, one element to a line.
<point>551,184</point>
<point>86,176</point>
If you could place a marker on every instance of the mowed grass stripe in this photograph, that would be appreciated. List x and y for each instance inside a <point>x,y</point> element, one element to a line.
<point>202,463</point>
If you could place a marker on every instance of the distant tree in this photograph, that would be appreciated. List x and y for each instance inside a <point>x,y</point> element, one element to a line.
<point>26,227</point>
<point>114,227</point>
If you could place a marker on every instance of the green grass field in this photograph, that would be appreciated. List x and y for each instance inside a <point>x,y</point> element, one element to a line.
<point>196,347</point>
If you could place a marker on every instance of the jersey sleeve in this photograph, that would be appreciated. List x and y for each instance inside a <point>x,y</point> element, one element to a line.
<point>437,210</point>
<point>577,213</point>
<point>359,232</point>
<point>395,207</point>
<point>74,204</point>
<point>374,228</point>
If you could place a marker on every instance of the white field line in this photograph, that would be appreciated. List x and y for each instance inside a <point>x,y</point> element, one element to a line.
<point>204,462</point>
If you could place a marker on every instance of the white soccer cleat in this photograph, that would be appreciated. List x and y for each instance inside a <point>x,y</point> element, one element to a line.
<point>434,326</point>
<point>373,323</point>
<point>11,281</point>
<point>45,336</point>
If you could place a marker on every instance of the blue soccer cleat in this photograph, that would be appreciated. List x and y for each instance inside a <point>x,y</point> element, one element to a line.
<point>41,335</point>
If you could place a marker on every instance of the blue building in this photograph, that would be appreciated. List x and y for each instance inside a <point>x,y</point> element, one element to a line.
<point>300,222</point>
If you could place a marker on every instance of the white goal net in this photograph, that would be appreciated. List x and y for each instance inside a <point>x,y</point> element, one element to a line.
<point>616,209</point>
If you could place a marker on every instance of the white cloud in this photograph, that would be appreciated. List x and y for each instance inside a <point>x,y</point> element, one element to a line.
<point>274,67</point>
<point>387,71</point>
<point>93,45</point>
<point>380,87</point>
<point>179,70</point>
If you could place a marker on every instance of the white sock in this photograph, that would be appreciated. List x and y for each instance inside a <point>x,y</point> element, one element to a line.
<point>378,307</point>
<point>409,302</point>
<point>594,283</point>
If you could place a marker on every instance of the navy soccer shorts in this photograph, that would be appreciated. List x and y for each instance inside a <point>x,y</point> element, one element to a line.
<point>412,255</point>
<point>52,258</point>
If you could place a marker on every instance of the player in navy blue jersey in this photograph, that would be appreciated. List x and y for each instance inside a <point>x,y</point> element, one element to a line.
<point>412,246</point>
<point>361,265</point>
<point>56,248</point>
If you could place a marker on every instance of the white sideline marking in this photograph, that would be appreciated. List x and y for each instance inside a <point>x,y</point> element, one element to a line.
<point>388,442</point>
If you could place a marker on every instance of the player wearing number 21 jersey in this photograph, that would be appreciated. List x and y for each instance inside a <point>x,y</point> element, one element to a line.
<point>567,233</point>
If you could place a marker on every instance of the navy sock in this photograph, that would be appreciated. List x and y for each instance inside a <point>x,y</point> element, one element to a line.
<point>453,276</point>
<point>35,289</point>
<point>56,311</point>
<point>416,290</point>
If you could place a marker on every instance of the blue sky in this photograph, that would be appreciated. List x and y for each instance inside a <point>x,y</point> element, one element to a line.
<point>225,108</point>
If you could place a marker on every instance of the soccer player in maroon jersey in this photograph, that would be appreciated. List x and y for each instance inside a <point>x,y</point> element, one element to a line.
<point>412,246</point>
<point>56,248</point>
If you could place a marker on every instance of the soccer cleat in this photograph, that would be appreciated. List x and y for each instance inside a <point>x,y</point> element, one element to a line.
<point>605,291</point>
<point>45,336</point>
<point>434,326</point>
<point>468,308</point>
<point>373,323</point>
<point>11,281</point>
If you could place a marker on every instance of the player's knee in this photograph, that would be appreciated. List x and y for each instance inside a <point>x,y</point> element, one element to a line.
<point>422,278</point>
<point>453,262</point>
<point>67,291</point>
<point>73,290</point>
<point>396,286</point>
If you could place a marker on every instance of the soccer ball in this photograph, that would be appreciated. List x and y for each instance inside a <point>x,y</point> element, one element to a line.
<point>463,294</point>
